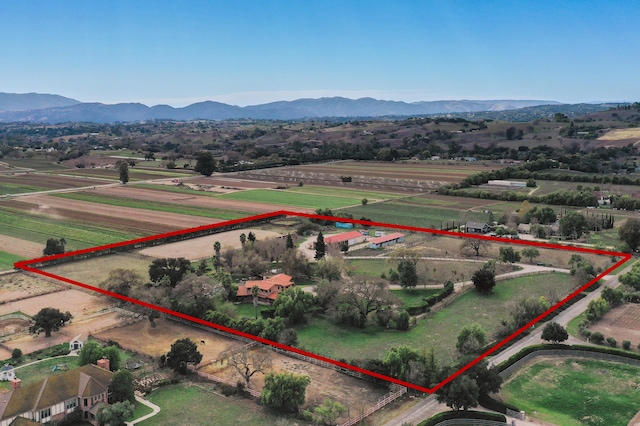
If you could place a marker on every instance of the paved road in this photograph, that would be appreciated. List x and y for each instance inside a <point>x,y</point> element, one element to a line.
<point>429,406</point>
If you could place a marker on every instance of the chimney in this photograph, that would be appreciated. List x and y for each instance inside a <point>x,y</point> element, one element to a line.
<point>103,363</point>
<point>15,383</point>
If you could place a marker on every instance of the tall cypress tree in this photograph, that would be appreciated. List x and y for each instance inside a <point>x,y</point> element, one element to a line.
<point>320,247</point>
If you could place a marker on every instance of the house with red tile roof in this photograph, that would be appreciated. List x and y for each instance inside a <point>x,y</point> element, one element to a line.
<point>269,289</point>
<point>84,388</point>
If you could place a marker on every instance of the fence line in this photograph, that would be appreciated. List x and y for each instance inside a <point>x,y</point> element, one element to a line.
<point>385,400</point>
<point>16,315</point>
<point>217,379</point>
<point>318,362</point>
<point>469,422</point>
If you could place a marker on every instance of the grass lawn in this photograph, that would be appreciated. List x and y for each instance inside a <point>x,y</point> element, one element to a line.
<point>623,266</point>
<point>182,405</point>
<point>572,326</point>
<point>576,392</point>
<point>438,331</point>
<point>7,260</point>
<point>414,297</point>
<point>247,310</point>
<point>39,228</point>
<point>287,198</point>
<point>156,206</point>
<point>42,370</point>
<point>141,410</point>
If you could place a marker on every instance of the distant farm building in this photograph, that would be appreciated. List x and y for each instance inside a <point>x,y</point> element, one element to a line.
<point>507,183</point>
<point>352,238</point>
<point>603,199</point>
<point>477,228</point>
<point>344,225</point>
<point>77,342</point>
<point>269,288</point>
<point>386,240</point>
<point>7,373</point>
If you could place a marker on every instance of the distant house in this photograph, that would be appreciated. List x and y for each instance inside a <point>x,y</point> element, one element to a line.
<point>524,228</point>
<point>603,199</point>
<point>471,159</point>
<point>7,373</point>
<point>85,388</point>
<point>477,228</point>
<point>351,238</point>
<point>386,240</point>
<point>269,289</point>
<point>77,342</point>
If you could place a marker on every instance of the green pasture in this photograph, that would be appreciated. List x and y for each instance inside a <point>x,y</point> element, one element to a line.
<point>402,213</point>
<point>8,259</point>
<point>438,331</point>
<point>185,406</point>
<point>576,392</point>
<point>156,206</point>
<point>37,163</point>
<point>16,188</point>
<point>177,189</point>
<point>39,229</point>
<point>414,297</point>
<point>343,192</point>
<point>293,199</point>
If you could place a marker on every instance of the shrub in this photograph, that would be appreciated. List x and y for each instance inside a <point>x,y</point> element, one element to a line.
<point>597,338</point>
<point>612,342</point>
<point>16,354</point>
<point>626,345</point>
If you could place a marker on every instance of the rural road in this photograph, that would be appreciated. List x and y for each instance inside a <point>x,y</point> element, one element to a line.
<point>429,406</point>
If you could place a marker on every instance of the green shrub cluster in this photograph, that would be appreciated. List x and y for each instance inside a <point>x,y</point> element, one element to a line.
<point>431,300</point>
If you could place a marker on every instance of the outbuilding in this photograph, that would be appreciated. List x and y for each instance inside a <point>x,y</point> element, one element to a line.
<point>386,240</point>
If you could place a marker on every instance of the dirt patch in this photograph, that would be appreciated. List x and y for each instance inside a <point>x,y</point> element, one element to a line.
<point>621,323</point>
<point>142,338</point>
<point>231,182</point>
<point>79,303</point>
<point>21,285</point>
<point>199,248</point>
<point>46,181</point>
<point>355,393</point>
<point>20,247</point>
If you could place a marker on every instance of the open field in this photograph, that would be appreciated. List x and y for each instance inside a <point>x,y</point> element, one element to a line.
<point>38,164</point>
<point>95,271</point>
<point>620,134</point>
<point>20,285</point>
<point>143,338</point>
<point>202,248</point>
<point>438,331</point>
<point>31,182</point>
<point>285,199</point>
<point>185,208</point>
<point>621,323</point>
<point>38,228</point>
<point>343,192</point>
<point>135,174</point>
<point>576,392</point>
<point>187,405</point>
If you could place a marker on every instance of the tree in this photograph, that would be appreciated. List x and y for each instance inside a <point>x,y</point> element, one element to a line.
<point>54,246</point>
<point>205,163</point>
<point>408,274</point>
<point>397,361</point>
<point>122,388</point>
<point>460,394</point>
<point>293,304</point>
<point>573,225</point>
<point>255,290</point>
<point>123,169</point>
<point>284,391</point>
<point>474,244</point>
<point>182,353</point>
<point>328,412</point>
<point>544,215</point>
<point>364,201</point>
<point>344,246</point>
<point>554,332</point>
<point>629,232</point>
<point>484,280</point>
<point>90,353</point>
<point>216,258</point>
<point>48,320</point>
<point>247,363</point>
<point>597,308</point>
<point>16,354</point>
<point>330,268</point>
<point>320,247</point>
<point>243,239</point>
<point>508,255</point>
<point>289,244</point>
<point>530,252</point>
<point>116,414</point>
<point>121,281</point>
<point>613,296</point>
<point>172,268</point>
<point>365,297</point>
<point>471,339</point>
<point>251,237</point>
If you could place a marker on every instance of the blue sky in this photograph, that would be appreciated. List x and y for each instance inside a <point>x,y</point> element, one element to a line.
<point>250,52</point>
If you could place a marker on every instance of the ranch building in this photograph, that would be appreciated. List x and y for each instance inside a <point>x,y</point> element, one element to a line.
<point>477,228</point>
<point>269,289</point>
<point>85,388</point>
<point>352,238</point>
<point>507,183</point>
<point>386,240</point>
<point>7,373</point>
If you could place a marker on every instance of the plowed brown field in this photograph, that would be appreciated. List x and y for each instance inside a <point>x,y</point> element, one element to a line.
<point>20,247</point>
<point>47,181</point>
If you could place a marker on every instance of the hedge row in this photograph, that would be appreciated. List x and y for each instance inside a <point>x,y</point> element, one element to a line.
<point>448,415</point>
<point>431,300</point>
<point>493,404</point>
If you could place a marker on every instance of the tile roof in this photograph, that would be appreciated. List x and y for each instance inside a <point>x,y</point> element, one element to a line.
<point>335,239</point>
<point>385,238</point>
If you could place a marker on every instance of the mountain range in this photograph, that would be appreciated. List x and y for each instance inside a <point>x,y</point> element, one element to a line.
<point>45,108</point>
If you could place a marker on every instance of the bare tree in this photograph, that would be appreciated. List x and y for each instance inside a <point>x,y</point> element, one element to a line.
<point>475,245</point>
<point>247,362</point>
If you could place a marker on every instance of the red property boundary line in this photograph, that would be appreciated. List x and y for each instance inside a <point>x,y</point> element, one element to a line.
<point>26,266</point>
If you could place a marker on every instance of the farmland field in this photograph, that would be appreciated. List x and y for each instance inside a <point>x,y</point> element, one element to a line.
<point>134,174</point>
<point>41,182</point>
<point>342,192</point>
<point>8,259</point>
<point>285,198</point>
<point>576,391</point>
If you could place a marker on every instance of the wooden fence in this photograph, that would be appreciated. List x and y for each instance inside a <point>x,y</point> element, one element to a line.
<point>217,379</point>
<point>396,392</point>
